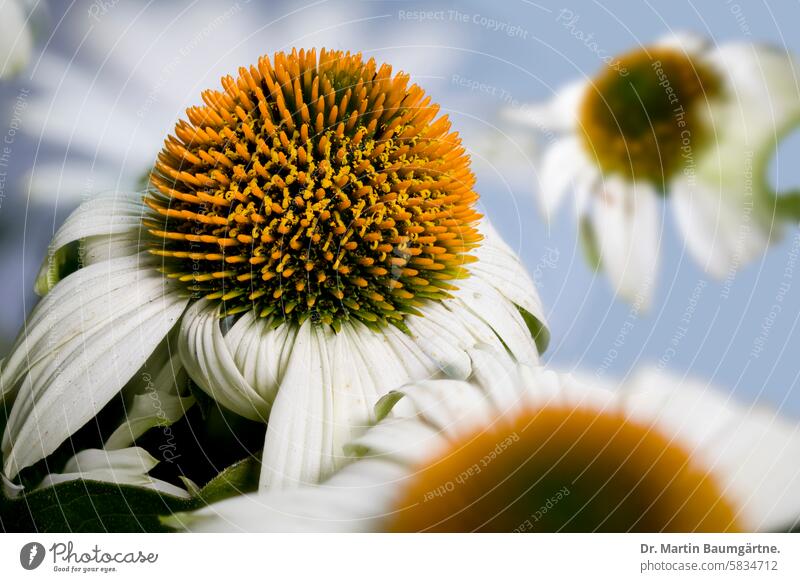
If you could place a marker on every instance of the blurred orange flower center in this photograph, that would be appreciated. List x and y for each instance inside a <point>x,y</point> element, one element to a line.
<point>645,117</point>
<point>564,469</point>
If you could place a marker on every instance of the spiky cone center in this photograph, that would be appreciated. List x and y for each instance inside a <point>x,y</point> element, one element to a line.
<point>315,187</point>
<point>645,117</point>
<point>560,468</point>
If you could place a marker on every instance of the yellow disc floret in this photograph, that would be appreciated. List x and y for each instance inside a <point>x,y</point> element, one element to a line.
<point>644,117</point>
<point>564,469</point>
<point>321,187</point>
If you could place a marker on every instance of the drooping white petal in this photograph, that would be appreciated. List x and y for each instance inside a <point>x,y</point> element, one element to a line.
<point>686,42</point>
<point>16,40</point>
<point>724,205</point>
<point>209,362</point>
<point>110,213</point>
<point>261,352</point>
<point>558,114</point>
<point>626,224</point>
<point>101,248</point>
<point>722,230</point>
<point>124,467</point>
<point>492,320</point>
<point>441,340</point>
<point>763,99</point>
<point>327,396</point>
<point>84,342</point>
<point>298,448</point>
<point>565,166</point>
<point>499,266</point>
<point>82,302</point>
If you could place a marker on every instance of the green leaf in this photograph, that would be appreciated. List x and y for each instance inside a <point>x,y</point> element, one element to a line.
<point>239,478</point>
<point>539,331</point>
<point>787,206</point>
<point>384,406</point>
<point>90,506</point>
<point>94,506</point>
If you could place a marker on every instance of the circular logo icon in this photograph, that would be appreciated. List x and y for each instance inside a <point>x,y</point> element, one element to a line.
<point>31,555</point>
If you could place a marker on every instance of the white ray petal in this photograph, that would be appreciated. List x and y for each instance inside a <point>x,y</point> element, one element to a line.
<point>82,302</point>
<point>298,448</point>
<point>406,440</point>
<point>499,266</point>
<point>110,213</point>
<point>124,467</point>
<point>564,167</point>
<point>82,359</point>
<point>355,499</point>
<point>209,362</point>
<point>718,223</point>
<point>626,224</point>
<point>756,459</point>
<point>16,40</point>
<point>560,113</point>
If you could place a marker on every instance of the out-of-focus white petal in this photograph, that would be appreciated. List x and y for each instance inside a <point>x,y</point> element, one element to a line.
<point>686,42</point>
<point>755,457</point>
<point>124,467</point>
<point>16,40</point>
<point>724,204</point>
<point>558,114</point>
<point>721,228</point>
<point>683,408</point>
<point>407,440</point>
<point>763,94</point>
<point>451,406</point>
<point>565,166</point>
<point>356,499</point>
<point>75,360</point>
<point>751,452</point>
<point>626,224</point>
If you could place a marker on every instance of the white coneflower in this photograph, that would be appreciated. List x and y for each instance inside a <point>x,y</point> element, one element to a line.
<point>311,233</point>
<point>679,119</point>
<point>536,451</point>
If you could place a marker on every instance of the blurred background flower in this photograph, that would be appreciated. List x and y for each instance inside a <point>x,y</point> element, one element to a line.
<point>680,121</point>
<point>527,450</point>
